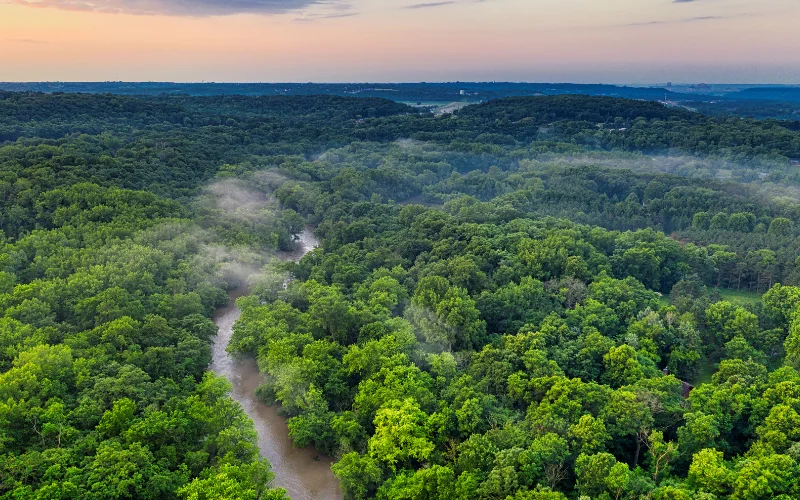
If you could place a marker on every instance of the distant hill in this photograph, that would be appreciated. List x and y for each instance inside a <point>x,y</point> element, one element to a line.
<point>778,102</point>
<point>410,92</point>
<point>593,109</point>
<point>769,93</point>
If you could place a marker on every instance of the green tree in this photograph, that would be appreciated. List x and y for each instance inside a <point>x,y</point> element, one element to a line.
<point>701,431</point>
<point>701,220</point>
<point>780,226</point>
<point>725,321</point>
<point>358,475</point>
<point>660,454</point>
<point>622,366</point>
<point>446,315</point>
<point>231,482</point>
<point>708,472</point>
<point>433,483</point>
<point>601,473</point>
<point>765,477</point>
<point>590,435</point>
<point>400,434</point>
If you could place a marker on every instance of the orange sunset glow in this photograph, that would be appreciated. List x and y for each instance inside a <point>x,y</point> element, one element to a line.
<point>396,40</point>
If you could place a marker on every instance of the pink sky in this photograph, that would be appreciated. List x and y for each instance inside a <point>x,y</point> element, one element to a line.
<point>617,41</point>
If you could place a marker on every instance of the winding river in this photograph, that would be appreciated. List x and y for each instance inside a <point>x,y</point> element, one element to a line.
<point>305,474</point>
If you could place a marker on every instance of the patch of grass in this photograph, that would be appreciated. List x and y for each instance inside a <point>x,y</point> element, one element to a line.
<point>740,297</point>
<point>737,297</point>
<point>707,370</point>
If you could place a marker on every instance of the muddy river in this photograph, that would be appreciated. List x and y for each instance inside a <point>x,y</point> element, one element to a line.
<point>304,473</point>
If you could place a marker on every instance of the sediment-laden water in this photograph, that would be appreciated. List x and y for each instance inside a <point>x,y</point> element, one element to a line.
<point>304,473</point>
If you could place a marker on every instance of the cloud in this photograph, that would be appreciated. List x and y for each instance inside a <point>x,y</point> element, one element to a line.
<point>427,5</point>
<point>197,8</point>
<point>681,21</point>
<point>27,40</point>
<point>318,17</point>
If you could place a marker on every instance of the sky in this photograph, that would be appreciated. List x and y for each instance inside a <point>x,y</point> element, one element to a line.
<point>582,41</point>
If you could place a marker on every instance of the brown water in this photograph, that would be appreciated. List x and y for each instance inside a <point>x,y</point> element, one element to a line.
<point>304,473</point>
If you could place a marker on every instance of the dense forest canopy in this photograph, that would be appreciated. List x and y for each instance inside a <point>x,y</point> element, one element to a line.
<point>535,297</point>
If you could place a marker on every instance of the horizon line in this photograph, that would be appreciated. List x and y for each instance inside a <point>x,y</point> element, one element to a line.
<point>410,82</point>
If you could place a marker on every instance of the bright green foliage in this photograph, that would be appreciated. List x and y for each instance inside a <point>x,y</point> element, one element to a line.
<point>358,475</point>
<point>232,483</point>
<point>701,431</point>
<point>590,435</point>
<point>601,474</point>
<point>792,345</point>
<point>104,347</point>
<point>503,339</point>
<point>400,434</point>
<point>708,472</point>
<point>313,426</point>
<point>765,477</point>
<point>724,321</point>
<point>434,483</point>
<point>782,303</point>
<point>622,366</point>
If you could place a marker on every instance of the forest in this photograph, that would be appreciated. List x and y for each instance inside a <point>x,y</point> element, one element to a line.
<point>770,102</point>
<point>552,297</point>
<point>408,92</point>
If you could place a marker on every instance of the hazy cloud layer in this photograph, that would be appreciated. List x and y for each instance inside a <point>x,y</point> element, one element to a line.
<point>27,40</point>
<point>427,5</point>
<point>176,7</point>
<point>318,17</point>
<point>680,21</point>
